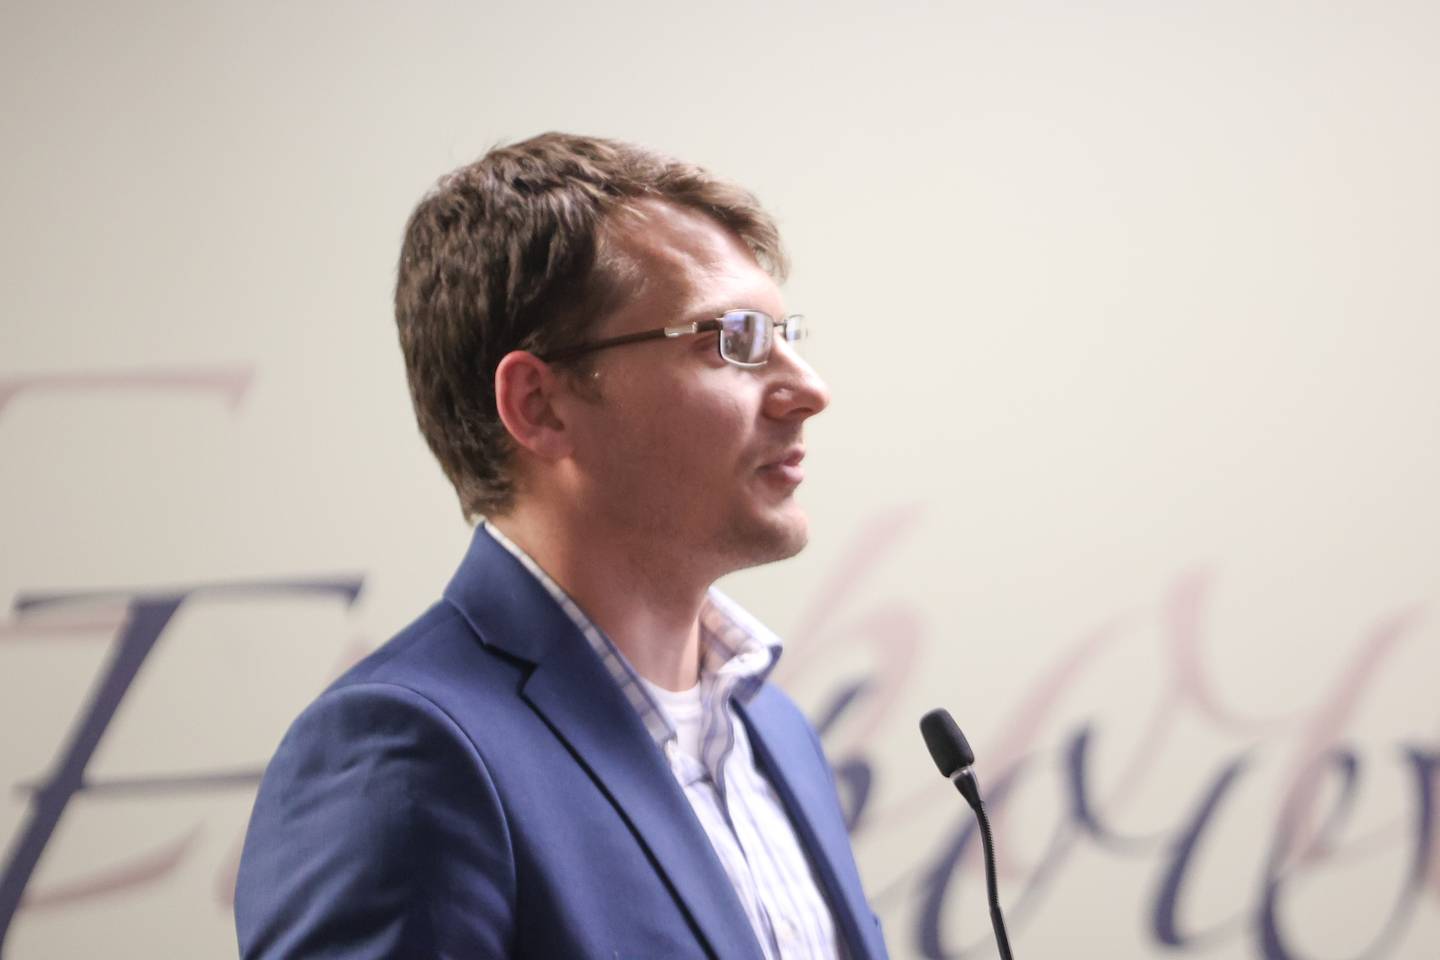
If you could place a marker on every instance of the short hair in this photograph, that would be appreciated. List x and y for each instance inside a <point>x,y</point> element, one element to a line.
<point>510,253</point>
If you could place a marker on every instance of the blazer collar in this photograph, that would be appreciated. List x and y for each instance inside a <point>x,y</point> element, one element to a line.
<point>572,691</point>
<point>506,607</point>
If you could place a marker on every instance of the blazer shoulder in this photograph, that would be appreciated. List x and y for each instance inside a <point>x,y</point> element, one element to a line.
<point>440,657</point>
<point>362,830</point>
<point>438,627</point>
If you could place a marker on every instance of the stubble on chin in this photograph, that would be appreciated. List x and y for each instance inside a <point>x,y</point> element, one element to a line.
<point>770,540</point>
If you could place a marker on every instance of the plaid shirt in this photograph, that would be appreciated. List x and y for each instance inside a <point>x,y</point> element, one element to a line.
<point>735,804</point>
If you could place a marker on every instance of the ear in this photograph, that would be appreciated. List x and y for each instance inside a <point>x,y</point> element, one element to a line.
<point>525,393</point>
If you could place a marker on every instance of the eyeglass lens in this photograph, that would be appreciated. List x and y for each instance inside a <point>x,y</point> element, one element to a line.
<point>747,335</point>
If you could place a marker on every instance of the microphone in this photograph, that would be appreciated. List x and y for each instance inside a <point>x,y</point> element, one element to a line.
<point>952,754</point>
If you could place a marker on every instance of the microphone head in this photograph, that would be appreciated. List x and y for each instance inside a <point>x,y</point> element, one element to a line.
<point>945,742</point>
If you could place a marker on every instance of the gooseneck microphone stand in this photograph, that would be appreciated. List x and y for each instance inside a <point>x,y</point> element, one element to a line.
<point>953,756</point>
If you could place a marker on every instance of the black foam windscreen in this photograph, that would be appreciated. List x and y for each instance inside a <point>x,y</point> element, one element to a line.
<point>947,745</point>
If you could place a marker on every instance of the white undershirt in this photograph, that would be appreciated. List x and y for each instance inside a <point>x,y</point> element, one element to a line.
<point>685,711</point>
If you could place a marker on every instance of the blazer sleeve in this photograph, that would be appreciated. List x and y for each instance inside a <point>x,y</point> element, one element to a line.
<point>377,832</point>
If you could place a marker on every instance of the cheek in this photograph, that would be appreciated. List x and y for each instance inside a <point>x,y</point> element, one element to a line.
<point>694,433</point>
<point>717,425</point>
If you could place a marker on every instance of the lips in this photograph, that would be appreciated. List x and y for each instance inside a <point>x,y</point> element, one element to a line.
<point>789,457</point>
<point>786,469</point>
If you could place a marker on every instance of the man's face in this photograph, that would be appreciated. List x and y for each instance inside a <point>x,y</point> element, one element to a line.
<point>693,459</point>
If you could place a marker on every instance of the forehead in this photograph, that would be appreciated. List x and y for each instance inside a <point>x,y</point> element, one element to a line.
<point>684,263</point>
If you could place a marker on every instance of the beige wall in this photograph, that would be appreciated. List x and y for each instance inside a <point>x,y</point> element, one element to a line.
<point>1129,311</point>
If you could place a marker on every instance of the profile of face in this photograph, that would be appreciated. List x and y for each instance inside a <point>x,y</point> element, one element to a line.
<point>692,458</point>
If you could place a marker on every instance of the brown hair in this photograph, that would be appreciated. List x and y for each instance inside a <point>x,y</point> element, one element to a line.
<point>509,253</point>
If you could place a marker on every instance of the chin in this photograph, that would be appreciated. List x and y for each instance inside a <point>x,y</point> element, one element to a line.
<point>765,539</point>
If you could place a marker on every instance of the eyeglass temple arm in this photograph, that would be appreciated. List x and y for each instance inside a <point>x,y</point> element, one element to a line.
<point>679,330</point>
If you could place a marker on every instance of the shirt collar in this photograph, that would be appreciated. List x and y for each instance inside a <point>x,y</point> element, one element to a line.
<point>737,652</point>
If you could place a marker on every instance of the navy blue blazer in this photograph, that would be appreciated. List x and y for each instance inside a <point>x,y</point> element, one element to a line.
<point>479,787</point>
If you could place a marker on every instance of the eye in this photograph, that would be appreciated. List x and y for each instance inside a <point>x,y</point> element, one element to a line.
<point>708,341</point>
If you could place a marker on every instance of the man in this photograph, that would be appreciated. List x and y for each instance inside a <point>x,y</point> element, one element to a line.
<point>575,754</point>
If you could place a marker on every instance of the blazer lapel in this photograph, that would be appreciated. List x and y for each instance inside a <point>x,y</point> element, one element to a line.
<point>575,695</point>
<point>790,758</point>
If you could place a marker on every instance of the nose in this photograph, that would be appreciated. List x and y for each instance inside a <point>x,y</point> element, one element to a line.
<point>796,391</point>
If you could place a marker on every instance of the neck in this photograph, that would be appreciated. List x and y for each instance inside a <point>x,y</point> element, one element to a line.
<point>650,609</point>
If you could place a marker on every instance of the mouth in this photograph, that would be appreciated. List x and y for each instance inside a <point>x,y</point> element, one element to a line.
<point>785,470</point>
